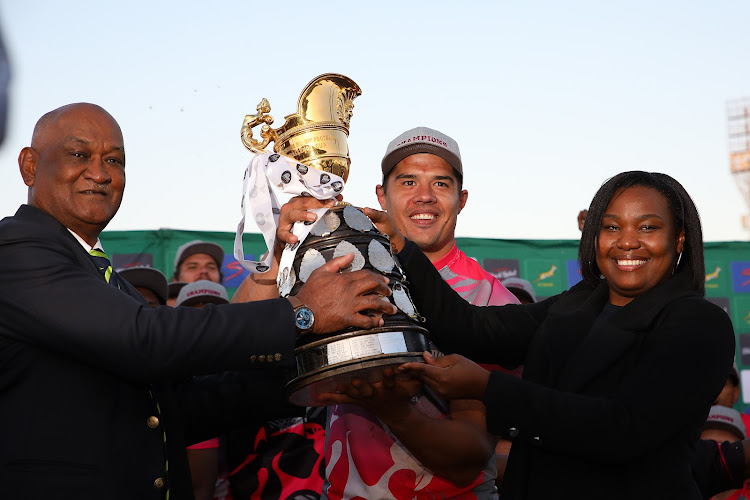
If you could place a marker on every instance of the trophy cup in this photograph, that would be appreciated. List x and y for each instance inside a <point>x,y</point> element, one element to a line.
<point>316,138</point>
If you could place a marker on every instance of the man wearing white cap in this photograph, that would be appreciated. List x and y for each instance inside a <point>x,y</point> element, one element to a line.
<point>521,288</point>
<point>198,260</point>
<point>723,424</point>
<point>414,449</point>
<point>195,261</point>
<point>200,293</point>
<point>203,457</point>
<point>721,459</point>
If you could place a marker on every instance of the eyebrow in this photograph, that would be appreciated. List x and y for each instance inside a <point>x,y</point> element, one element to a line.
<point>434,178</point>
<point>87,143</point>
<point>640,217</point>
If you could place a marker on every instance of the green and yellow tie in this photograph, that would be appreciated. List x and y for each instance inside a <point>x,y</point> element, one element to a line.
<point>105,266</point>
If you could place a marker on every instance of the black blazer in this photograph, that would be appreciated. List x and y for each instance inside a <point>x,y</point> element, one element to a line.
<point>84,367</point>
<point>613,412</point>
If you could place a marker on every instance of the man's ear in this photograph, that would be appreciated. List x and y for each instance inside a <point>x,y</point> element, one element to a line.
<point>27,161</point>
<point>462,198</point>
<point>380,192</point>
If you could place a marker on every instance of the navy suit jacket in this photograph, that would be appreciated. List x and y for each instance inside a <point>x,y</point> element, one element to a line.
<point>84,366</point>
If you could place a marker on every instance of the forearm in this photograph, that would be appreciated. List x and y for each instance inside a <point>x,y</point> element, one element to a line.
<point>453,449</point>
<point>260,286</point>
<point>204,469</point>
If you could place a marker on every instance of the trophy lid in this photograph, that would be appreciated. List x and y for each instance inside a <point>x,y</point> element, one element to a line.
<point>328,98</point>
<point>317,134</point>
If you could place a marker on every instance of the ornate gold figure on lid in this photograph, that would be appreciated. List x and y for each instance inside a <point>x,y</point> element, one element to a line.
<point>317,134</point>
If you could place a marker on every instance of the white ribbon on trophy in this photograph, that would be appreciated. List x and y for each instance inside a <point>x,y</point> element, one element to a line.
<point>265,171</point>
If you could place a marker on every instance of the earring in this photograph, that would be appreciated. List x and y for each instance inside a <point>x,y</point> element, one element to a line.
<point>679,257</point>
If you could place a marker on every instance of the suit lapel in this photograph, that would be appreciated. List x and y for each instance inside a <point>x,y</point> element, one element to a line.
<point>33,214</point>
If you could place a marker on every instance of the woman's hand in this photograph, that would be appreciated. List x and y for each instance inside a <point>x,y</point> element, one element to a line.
<point>451,376</point>
<point>389,399</point>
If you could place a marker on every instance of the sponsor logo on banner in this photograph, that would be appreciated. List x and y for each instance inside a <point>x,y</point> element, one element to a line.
<point>574,272</point>
<point>547,275</point>
<point>126,260</point>
<point>502,268</point>
<point>713,276</point>
<point>544,278</point>
<point>234,273</point>
<point>716,276</point>
<point>740,276</point>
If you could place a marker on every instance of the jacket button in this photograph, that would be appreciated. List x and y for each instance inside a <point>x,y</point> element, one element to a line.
<point>277,356</point>
<point>513,432</point>
<point>152,422</point>
<point>159,483</point>
<point>537,440</point>
<point>253,358</point>
<point>262,358</point>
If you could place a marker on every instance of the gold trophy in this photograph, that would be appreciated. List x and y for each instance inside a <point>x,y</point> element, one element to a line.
<point>317,134</point>
<point>316,137</point>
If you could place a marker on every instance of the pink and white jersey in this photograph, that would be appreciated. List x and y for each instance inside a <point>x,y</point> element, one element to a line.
<point>471,282</point>
<point>365,461</point>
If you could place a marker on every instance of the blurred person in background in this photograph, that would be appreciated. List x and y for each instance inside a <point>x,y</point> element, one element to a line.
<point>150,282</point>
<point>198,260</point>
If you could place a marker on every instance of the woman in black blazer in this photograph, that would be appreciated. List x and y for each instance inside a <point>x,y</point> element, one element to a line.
<point>619,371</point>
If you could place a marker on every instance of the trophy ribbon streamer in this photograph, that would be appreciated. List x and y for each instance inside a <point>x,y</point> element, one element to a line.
<point>291,177</point>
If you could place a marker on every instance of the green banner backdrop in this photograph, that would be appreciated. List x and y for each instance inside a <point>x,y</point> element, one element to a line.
<point>550,265</point>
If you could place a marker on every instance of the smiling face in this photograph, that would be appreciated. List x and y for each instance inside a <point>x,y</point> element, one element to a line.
<point>638,243</point>
<point>423,198</point>
<point>75,168</point>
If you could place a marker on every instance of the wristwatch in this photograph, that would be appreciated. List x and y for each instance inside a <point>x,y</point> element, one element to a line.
<point>303,316</point>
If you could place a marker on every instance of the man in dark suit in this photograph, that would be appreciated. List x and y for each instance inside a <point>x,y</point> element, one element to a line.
<point>97,398</point>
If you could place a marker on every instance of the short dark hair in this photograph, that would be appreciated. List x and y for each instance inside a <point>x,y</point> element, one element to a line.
<point>456,174</point>
<point>684,214</point>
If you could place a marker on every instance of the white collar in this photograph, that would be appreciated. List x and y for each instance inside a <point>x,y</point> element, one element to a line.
<point>85,245</point>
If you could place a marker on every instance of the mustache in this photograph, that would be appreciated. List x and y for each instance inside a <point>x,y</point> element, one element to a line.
<point>101,188</point>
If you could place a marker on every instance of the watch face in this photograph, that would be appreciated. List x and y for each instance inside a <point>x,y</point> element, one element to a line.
<point>303,318</point>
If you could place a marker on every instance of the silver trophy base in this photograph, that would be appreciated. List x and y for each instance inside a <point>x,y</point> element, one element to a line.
<point>324,364</point>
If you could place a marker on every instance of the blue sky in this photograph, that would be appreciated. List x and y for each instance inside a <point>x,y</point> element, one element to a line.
<point>546,99</point>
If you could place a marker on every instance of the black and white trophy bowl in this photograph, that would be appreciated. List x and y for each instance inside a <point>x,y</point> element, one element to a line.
<point>324,361</point>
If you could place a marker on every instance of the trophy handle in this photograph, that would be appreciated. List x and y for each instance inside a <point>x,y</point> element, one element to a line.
<point>266,132</point>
